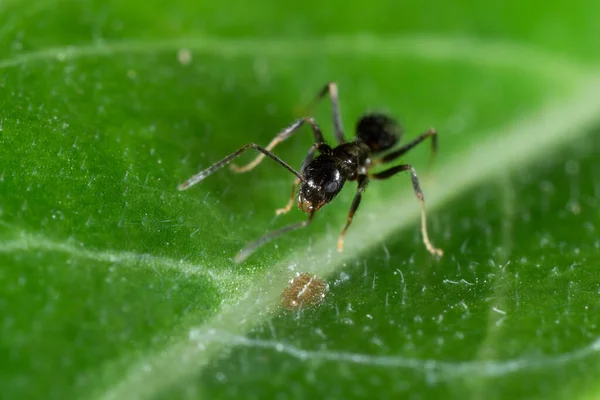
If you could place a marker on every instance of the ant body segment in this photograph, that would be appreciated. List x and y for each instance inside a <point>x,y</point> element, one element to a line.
<point>322,177</point>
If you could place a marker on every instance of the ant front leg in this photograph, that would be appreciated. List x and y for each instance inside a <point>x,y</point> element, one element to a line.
<point>290,203</point>
<point>419,193</point>
<point>307,160</point>
<point>431,133</point>
<point>252,246</point>
<point>332,89</point>
<point>281,136</point>
<point>362,184</point>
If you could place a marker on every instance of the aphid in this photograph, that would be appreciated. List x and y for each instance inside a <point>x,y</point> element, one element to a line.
<point>322,177</point>
<point>304,290</point>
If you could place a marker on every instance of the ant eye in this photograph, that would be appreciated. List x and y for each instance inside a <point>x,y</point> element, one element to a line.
<point>331,187</point>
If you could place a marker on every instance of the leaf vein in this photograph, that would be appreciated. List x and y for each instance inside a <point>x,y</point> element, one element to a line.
<point>29,242</point>
<point>484,53</point>
<point>436,370</point>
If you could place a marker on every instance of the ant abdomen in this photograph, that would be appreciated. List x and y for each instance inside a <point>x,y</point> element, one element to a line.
<point>378,131</point>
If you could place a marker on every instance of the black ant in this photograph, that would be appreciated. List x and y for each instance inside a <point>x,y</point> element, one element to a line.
<point>322,177</point>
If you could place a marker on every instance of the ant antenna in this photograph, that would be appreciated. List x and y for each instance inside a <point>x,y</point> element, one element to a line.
<point>220,164</point>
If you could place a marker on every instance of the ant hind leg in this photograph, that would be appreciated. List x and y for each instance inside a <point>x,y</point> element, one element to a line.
<point>430,133</point>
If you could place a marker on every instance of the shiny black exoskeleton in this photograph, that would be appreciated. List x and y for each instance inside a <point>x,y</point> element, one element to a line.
<point>325,176</point>
<point>321,178</point>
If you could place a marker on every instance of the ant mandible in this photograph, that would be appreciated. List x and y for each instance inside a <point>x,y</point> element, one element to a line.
<point>322,177</point>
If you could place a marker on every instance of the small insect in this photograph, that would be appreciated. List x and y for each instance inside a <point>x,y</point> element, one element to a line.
<point>304,290</point>
<point>322,177</point>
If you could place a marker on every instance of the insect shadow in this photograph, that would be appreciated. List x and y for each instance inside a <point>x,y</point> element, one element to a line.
<point>321,177</point>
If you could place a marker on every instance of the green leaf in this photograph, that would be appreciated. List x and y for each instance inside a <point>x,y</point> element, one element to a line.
<point>113,284</point>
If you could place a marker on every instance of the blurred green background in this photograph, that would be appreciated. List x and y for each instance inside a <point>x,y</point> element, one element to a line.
<point>115,285</point>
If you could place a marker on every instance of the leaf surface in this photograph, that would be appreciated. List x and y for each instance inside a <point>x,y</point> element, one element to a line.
<point>116,285</point>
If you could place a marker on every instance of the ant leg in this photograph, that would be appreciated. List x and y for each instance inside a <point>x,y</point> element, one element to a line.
<point>362,184</point>
<point>417,188</point>
<point>290,203</point>
<point>281,136</point>
<point>252,246</point>
<point>332,89</point>
<point>307,160</point>
<point>208,171</point>
<point>432,133</point>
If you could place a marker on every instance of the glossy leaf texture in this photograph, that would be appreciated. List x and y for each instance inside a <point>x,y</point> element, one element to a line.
<point>115,285</point>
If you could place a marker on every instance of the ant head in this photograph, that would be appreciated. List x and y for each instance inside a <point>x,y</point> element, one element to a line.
<point>378,131</point>
<point>323,180</point>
